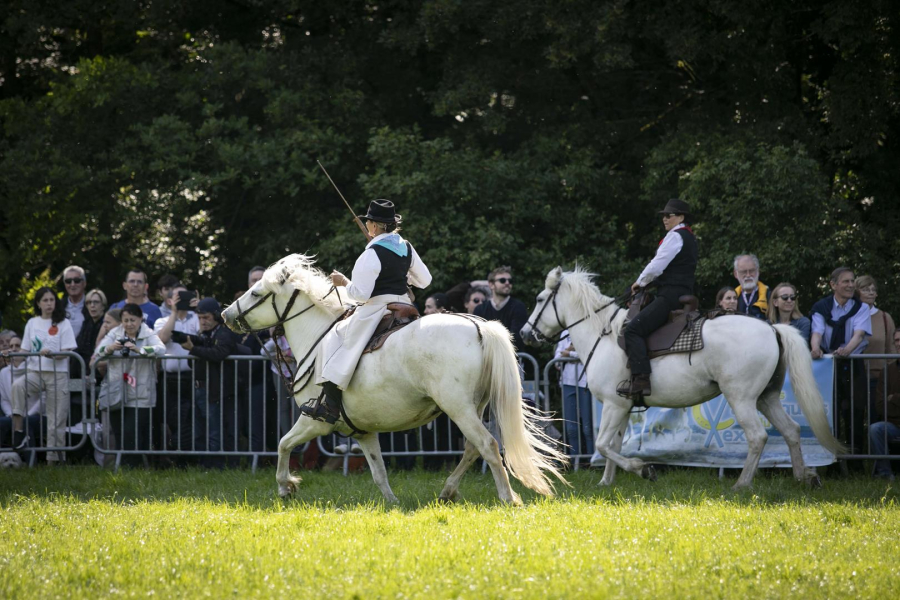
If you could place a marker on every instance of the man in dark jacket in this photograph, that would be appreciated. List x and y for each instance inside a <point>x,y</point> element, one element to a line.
<point>214,382</point>
<point>503,307</point>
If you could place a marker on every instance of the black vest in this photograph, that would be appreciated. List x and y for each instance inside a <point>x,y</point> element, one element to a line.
<point>392,279</point>
<point>680,272</point>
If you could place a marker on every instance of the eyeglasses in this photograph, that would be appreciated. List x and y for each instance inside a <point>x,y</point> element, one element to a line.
<point>93,302</point>
<point>135,282</point>
<point>747,273</point>
<point>785,297</point>
<point>670,215</point>
<point>476,300</point>
<point>503,280</point>
<point>73,280</point>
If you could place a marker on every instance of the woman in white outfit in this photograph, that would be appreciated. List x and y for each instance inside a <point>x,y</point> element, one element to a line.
<point>380,276</point>
<point>47,333</point>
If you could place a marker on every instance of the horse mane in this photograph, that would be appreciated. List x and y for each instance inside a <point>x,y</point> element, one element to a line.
<point>300,272</point>
<point>587,298</point>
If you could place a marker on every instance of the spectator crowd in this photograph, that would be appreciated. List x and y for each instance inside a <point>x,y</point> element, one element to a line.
<point>191,399</point>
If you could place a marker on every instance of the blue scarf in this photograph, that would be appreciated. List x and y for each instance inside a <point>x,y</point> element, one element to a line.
<point>838,327</point>
<point>394,243</point>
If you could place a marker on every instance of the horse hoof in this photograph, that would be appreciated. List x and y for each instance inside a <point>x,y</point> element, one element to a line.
<point>814,481</point>
<point>391,499</point>
<point>648,472</point>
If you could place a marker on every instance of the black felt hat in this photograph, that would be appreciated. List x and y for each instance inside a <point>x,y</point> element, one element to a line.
<point>381,211</point>
<point>676,206</point>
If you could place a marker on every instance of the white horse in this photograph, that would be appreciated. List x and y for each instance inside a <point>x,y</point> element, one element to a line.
<point>745,359</point>
<point>439,363</point>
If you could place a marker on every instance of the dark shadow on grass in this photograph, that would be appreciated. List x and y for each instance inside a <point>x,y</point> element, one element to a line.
<point>418,490</point>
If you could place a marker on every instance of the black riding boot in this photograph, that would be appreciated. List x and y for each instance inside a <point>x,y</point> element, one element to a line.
<point>327,407</point>
<point>636,389</point>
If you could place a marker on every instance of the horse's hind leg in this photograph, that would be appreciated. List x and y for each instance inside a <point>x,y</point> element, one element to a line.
<point>479,437</point>
<point>372,449</point>
<point>303,430</point>
<point>770,405</point>
<point>452,485</point>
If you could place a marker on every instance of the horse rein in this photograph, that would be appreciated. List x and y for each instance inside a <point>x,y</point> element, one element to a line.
<point>279,359</point>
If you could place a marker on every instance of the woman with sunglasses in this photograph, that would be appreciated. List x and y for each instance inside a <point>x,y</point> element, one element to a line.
<point>672,273</point>
<point>783,309</point>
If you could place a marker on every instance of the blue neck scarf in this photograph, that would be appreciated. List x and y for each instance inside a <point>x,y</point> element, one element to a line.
<point>394,243</point>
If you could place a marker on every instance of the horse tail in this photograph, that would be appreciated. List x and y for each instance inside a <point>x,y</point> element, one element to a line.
<point>530,453</point>
<point>798,361</point>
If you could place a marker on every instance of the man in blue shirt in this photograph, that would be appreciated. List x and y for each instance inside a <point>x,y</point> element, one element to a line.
<point>136,286</point>
<point>840,325</point>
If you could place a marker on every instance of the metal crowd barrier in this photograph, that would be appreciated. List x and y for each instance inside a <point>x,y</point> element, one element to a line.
<point>184,423</point>
<point>571,423</point>
<point>37,426</point>
<point>856,403</point>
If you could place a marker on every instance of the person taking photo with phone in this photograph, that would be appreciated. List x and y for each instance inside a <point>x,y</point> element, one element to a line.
<point>175,390</point>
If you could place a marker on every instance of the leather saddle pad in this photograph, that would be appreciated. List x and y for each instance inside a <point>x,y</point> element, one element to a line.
<point>400,316</point>
<point>683,332</point>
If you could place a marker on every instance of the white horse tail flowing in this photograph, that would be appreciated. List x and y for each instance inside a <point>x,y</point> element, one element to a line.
<point>799,363</point>
<point>529,452</point>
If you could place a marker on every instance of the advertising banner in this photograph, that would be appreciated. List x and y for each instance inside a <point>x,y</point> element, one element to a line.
<point>707,435</point>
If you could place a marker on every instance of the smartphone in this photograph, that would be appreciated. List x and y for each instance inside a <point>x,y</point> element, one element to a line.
<point>179,337</point>
<point>184,300</point>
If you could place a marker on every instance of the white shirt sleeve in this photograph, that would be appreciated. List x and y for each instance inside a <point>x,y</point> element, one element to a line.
<point>419,275</point>
<point>67,336</point>
<point>668,249</point>
<point>365,272</point>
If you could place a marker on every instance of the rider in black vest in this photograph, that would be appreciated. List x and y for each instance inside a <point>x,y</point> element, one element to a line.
<point>381,276</point>
<point>672,271</point>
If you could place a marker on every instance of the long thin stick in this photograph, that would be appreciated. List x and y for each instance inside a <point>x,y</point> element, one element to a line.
<point>352,212</point>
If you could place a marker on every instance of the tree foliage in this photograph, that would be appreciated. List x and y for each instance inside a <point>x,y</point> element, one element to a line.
<point>184,136</point>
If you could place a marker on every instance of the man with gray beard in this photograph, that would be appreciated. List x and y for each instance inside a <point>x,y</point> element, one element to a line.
<point>753,295</point>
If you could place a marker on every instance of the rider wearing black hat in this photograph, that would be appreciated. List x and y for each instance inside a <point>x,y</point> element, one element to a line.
<point>672,271</point>
<point>381,276</point>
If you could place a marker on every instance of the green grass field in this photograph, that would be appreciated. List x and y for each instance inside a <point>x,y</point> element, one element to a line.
<point>85,532</point>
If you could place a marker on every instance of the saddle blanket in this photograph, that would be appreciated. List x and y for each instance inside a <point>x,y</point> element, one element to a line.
<point>689,340</point>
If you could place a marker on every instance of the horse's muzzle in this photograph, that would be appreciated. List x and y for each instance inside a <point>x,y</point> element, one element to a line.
<point>530,338</point>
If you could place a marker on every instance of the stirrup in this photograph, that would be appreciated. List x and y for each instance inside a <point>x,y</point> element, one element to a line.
<point>321,409</point>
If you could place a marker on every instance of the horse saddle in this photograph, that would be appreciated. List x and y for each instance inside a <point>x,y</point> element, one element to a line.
<point>682,333</point>
<point>400,316</point>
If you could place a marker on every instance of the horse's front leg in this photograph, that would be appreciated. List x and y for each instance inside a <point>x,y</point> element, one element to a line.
<point>372,448</point>
<point>303,430</point>
<point>609,471</point>
<point>612,424</point>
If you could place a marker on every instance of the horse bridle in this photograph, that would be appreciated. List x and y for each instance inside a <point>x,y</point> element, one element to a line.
<point>541,336</point>
<point>283,318</point>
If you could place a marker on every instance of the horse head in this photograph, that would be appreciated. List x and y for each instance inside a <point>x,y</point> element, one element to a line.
<point>288,288</point>
<point>568,298</point>
<point>545,321</point>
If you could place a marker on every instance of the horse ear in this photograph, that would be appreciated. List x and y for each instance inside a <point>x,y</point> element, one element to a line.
<point>553,278</point>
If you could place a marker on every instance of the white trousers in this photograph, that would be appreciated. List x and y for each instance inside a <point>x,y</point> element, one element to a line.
<point>339,352</point>
<point>56,384</point>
